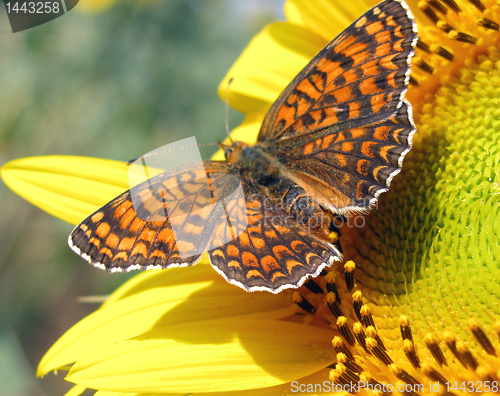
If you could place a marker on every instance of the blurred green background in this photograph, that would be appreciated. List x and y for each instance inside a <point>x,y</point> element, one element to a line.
<point>112,84</point>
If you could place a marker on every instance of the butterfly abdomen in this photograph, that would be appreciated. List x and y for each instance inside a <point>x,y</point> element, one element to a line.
<point>299,207</point>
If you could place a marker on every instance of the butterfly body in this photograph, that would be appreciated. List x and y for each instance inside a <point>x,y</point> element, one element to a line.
<point>330,144</point>
<point>298,208</point>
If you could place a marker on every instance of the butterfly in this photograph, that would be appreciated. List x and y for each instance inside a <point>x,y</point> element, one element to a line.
<point>330,145</point>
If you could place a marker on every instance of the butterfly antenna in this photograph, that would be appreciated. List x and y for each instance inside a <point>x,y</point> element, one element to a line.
<point>227,108</point>
<point>130,162</point>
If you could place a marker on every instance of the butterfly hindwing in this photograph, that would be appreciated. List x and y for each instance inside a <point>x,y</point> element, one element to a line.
<point>347,171</point>
<point>271,254</point>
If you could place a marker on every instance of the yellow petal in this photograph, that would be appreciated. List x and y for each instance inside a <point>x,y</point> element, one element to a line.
<point>76,390</point>
<point>146,280</point>
<point>271,60</point>
<point>208,356</point>
<point>107,393</point>
<point>325,17</point>
<point>161,306</point>
<point>299,386</point>
<point>67,187</point>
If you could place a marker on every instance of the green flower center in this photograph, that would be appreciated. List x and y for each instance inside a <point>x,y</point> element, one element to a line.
<point>430,250</point>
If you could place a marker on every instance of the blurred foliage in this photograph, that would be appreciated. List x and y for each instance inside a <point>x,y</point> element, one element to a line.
<point>114,84</point>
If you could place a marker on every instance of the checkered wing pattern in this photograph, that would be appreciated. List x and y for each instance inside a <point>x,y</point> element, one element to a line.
<point>271,255</point>
<point>347,171</point>
<point>324,125</point>
<point>178,219</point>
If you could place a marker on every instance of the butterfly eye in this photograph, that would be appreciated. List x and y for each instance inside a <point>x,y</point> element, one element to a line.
<point>228,152</point>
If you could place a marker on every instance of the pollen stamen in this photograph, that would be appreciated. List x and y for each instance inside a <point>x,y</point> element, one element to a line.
<point>359,333</point>
<point>438,6</point>
<point>366,316</point>
<point>333,306</point>
<point>403,375</point>
<point>371,331</point>
<point>434,349</point>
<point>350,363</point>
<point>451,4</point>
<point>411,353</point>
<point>336,375</point>
<point>303,303</point>
<point>423,65</point>
<point>466,354</point>
<point>349,274</point>
<point>404,326</point>
<point>357,303</point>
<point>462,37</point>
<point>488,24</point>
<point>477,3</point>
<point>346,373</point>
<point>442,52</point>
<point>444,26</point>
<point>377,351</point>
<point>451,343</point>
<point>433,374</point>
<point>481,337</point>
<point>423,46</point>
<point>340,347</point>
<point>373,383</point>
<point>314,287</point>
<point>330,278</point>
<point>428,11</point>
<point>344,330</point>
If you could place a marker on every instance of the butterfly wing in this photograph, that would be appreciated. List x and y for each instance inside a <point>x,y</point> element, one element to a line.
<point>271,254</point>
<point>169,220</point>
<point>359,78</point>
<point>356,82</point>
<point>191,209</point>
<point>349,170</point>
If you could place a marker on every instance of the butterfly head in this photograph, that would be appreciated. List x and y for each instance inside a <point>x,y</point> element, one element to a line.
<point>232,151</point>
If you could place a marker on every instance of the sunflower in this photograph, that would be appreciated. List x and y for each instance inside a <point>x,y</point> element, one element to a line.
<point>414,307</point>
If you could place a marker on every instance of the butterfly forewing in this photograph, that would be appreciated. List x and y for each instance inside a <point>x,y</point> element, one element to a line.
<point>357,79</point>
<point>180,214</point>
<point>342,125</point>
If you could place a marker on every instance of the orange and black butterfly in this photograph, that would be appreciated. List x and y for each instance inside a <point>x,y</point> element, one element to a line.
<point>330,145</point>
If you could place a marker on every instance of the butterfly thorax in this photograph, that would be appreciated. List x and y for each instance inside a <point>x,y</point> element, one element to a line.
<point>253,161</point>
<point>290,201</point>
